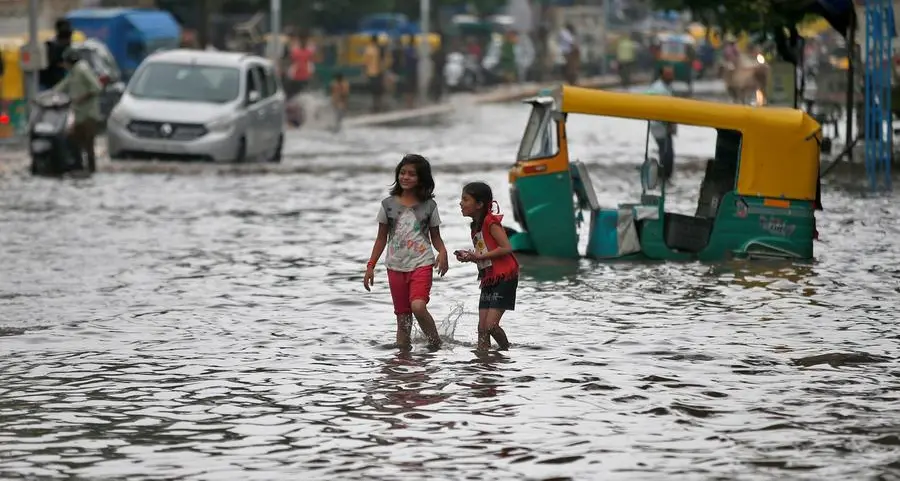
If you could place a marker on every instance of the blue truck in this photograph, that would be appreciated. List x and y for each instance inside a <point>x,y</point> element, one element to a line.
<point>130,34</point>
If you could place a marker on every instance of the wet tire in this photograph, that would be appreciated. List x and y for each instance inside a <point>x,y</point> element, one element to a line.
<point>241,155</point>
<point>276,156</point>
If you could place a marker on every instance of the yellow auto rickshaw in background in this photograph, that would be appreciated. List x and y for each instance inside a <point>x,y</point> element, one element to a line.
<point>357,45</point>
<point>677,51</point>
<point>13,110</point>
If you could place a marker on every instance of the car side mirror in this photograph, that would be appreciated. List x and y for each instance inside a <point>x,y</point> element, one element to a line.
<point>650,174</point>
<point>253,97</point>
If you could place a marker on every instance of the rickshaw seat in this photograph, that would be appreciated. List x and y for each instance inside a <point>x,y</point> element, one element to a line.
<point>720,173</point>
<point>717,181</point>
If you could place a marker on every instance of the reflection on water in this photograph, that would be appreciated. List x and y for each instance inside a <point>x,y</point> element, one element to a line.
<point>215,327</point>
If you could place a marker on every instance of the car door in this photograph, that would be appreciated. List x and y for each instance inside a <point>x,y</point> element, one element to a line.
<point>266,105</point>
<point>256,113</point>
<point>278,103</point>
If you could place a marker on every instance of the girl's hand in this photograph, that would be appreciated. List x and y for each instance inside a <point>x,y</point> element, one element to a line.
<point>369,278</point>
<point>442,264</point>
<point>464,256</point>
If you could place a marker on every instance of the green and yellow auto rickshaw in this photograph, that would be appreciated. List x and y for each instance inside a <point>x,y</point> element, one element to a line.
<point>757,199</point>
<point>679,52</point>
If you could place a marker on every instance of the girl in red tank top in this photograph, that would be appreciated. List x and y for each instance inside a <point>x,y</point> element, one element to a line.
<point>498,268</point>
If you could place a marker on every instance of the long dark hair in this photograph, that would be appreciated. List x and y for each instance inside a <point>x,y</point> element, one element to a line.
<point>481,192</point>
<point>425,187</point>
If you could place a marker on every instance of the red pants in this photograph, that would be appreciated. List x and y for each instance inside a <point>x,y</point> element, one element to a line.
<point>410,286</point>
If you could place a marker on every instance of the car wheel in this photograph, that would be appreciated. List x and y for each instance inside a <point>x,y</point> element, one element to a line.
<point>241,155</point>
<point>276,156</point>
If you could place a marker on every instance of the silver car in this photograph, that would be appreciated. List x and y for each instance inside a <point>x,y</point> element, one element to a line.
<point>193,104</point>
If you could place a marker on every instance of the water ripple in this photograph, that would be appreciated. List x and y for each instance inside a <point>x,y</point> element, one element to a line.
<point>214,327</point>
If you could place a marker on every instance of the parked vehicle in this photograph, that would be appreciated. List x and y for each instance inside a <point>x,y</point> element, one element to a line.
<point>679,52</point>
<point>131,34</point>
<point>758,197</point>
<point>462,72</point>
<point>52,153</point>
<point>13,111</point>
<point>192,104</point>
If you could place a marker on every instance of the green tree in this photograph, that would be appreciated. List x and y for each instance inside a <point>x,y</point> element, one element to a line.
<point>751,16</point>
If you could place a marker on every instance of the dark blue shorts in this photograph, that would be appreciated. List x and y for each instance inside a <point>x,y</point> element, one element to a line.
<point>501,295</point>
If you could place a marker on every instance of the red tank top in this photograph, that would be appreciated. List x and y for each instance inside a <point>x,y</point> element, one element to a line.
<point>492,271</point>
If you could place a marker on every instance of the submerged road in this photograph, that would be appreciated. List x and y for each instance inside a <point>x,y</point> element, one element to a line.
<point>202,322</point>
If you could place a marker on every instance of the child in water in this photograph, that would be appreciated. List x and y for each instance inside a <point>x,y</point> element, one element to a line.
<point>340,93</point>
<point>498,268</point>
<point>409,225</point>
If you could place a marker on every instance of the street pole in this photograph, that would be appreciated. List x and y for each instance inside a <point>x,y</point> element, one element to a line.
<point>31,84</point>
<point>424,50</point>
<point>604,62</point>
<point>275,39</point>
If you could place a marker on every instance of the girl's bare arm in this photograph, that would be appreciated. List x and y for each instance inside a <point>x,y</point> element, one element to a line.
<point>380,243</point>
<point>437,241</point>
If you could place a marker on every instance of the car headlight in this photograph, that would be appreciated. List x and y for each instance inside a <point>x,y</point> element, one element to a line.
<point>223,124</point>
<point>117,116</point>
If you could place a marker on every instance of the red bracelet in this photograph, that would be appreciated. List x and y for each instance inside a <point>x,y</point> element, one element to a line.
<point>370,265</point>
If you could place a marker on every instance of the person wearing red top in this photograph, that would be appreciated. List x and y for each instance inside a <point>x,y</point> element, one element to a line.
<point>302,67</point>
<point>498,268</point>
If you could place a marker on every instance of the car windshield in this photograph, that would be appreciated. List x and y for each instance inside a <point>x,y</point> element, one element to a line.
<point>189,83</point>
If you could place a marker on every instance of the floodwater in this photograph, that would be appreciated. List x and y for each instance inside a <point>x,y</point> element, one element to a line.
<point>213,325</point>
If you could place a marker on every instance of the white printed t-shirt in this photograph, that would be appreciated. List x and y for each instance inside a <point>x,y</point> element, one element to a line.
<point>408,248</point>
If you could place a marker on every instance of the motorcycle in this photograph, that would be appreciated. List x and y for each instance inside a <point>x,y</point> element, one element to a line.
<point>462,72</point>
<point>53,154</point>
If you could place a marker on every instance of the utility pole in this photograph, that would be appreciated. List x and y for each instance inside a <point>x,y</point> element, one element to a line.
<point>424,50</point>
<point>275,38</point>
<point>31,85</point>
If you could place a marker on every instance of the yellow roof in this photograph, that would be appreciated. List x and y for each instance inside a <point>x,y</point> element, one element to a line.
<point>779,156</point>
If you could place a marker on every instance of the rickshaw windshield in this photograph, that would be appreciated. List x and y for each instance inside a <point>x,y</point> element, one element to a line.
<point>538,140</point>
<point>673,48</point>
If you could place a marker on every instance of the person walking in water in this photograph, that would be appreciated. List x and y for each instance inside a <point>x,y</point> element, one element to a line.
<point>568,47</point>
<point>340,95</point>
<point>302,58</point>
<point>664,131</point>
<point>373,61</point>
<point>498,268</point>
<point>409,226</point>
<point>625,57</point>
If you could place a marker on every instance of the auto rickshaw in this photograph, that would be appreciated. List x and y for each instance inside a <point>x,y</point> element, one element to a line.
<point>679,52</point>
<point>757,199</point>
<point>13,120</point>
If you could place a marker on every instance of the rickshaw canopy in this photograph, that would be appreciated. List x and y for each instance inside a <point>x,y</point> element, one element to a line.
<point>779,151</point>
<point>683,38</point>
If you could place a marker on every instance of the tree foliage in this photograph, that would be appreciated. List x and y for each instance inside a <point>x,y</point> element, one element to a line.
<point>751,16</point>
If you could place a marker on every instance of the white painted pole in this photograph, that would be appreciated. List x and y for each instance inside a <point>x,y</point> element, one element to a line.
<point>275,40</point>
<point>31,82</point>
<point>424,50</point>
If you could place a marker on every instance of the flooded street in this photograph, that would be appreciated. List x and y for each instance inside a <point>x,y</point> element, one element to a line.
<point>213,326</point>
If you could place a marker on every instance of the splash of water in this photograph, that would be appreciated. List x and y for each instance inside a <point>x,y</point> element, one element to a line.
<point>317,111</point>
<point>446,328</point>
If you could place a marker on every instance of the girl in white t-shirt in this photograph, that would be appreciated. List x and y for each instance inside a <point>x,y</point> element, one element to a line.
<point>409,227</point>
